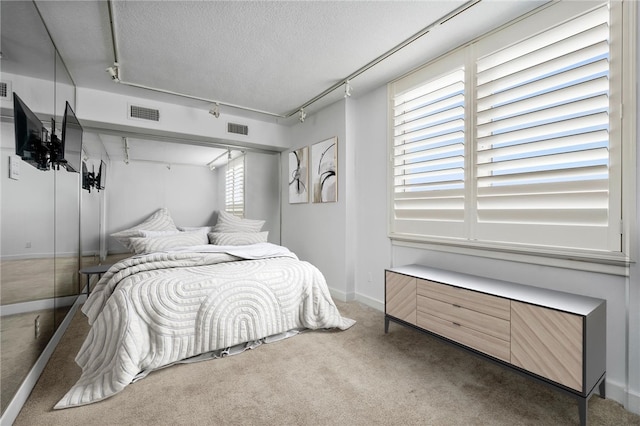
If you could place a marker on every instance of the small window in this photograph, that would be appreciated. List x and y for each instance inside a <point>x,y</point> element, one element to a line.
<point>234,187</point>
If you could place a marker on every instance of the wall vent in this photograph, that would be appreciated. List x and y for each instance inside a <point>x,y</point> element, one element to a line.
<point>239,129</point>
<point>5,90</point>
<point>144,113</point>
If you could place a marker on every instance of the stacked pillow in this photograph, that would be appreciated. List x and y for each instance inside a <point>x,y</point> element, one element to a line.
<point>158,232</point>
<point>160,221</point>
<point>142,245</point>
<point>231,230</point>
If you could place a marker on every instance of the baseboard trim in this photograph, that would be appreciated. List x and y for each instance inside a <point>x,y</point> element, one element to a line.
<point>371,302</point>
<point>633,404</point>
<point>21,396</point>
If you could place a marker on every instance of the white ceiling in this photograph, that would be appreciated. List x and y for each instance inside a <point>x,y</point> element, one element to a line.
<point>271,56</point>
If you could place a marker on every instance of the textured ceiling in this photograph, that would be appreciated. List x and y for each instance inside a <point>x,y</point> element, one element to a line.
<point>265,55</point>
<point>271,56</point>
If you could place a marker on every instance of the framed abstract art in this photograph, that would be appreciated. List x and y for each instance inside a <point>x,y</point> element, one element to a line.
<point>324,171</point>
<point>299,176</point>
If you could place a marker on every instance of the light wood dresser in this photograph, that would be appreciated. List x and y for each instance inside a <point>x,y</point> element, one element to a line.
<point>556,338</point>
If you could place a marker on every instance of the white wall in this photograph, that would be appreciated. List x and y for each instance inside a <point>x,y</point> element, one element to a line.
<point>317,232</point>
<point>26,206</point>
<point>136,190</point>
<point>262,192</point>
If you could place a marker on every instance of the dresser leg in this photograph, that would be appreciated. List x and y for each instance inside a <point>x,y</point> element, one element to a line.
<point>601,389</point>
<point>582,410</point>
<point>386,325</point>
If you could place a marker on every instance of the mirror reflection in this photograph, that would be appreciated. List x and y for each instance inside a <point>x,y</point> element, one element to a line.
<point>29,266</point>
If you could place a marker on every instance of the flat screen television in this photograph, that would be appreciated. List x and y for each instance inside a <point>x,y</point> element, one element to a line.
<point>30,135</point>
<point>71,140</point>
<point>102,175</point>
<point>86,181</point>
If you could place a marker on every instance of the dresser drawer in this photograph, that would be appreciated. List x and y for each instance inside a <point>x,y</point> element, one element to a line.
<point>487,324</point>
<point>473,300</point>
<point>400,296</point>
<point>482,342</point>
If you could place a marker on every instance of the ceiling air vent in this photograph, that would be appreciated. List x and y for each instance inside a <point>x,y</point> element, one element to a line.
<point>143,113</point>
<point>5,90</point>
<point>239,129</point>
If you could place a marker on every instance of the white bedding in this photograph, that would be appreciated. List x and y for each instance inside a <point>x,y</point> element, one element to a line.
<point>152,310</point>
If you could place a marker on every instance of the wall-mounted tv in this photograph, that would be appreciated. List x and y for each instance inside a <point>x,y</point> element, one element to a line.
<point>86,179</point>
<point>31,137</point>
<point>102,176</point>
<point>71,140</point>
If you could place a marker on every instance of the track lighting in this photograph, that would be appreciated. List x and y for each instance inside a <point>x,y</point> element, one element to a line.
<point>114,72</point>
<point>215,110</point>
<point>347,89</point>
<point>303,115</point>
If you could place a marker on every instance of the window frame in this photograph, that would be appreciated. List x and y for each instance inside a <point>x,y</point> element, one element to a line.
<point>623,22</point>
<point>232,165</point>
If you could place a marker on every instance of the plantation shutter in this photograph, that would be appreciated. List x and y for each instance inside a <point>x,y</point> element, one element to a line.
<point>429,154</point>
<point>234,187</point>
<point>543,134</point>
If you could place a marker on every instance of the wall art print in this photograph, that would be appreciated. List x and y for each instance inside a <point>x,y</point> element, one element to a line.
<point>299,176</point>
<point>324,171</point>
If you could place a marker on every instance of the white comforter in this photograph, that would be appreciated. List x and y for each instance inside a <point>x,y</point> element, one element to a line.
<point>152,310</point>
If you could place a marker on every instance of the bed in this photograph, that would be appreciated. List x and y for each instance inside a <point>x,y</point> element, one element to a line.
<point>195,302</point>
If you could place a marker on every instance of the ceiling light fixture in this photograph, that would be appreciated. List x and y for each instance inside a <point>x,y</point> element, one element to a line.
<point>114,72</point>
<point>348,89</point>
<point>303,115</point>
<point>215,110</point>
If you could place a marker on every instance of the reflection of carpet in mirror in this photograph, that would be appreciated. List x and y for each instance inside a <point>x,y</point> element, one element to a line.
<point>25,280</point>
<point>20,347</point>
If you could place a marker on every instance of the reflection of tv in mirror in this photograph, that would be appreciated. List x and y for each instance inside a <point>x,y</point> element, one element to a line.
<point>31,136</point>
<point>102,175</point>
<point>86,180</point>
<point>71,140</point>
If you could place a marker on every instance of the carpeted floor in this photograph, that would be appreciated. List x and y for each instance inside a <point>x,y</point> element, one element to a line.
<point>356,377</point>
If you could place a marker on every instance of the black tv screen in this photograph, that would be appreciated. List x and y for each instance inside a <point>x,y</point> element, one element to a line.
<point>86,184</point>
<point>30,135</point>
<point>71,140</point>
<point>102,175</point>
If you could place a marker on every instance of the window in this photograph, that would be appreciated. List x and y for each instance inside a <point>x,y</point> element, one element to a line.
<point>234,187</point>
<point>516,146</point>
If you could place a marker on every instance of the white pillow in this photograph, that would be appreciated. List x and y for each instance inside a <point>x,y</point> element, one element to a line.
<point>153,234</point>
<point>230,223</point>
<point>196,228</point>
<point>237,238</point>
<point>159,221</point>
<point>182,239</point>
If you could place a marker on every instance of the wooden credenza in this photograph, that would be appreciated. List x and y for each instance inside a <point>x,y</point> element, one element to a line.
<point>554,337</point>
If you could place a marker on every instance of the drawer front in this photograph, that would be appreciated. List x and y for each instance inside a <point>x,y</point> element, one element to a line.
<point>473,300</point>
<point>487,324</point>
<point>400,297</point>
<point>548,343</point>
<point>482,342</point>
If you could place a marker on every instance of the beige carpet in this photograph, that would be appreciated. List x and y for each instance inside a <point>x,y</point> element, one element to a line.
<point>357,377</point>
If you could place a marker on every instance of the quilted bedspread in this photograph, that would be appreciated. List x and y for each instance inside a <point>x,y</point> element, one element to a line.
<point>153,310</point>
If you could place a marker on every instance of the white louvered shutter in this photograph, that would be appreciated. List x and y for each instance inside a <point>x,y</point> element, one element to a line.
<point>429,154</point>
<point>543,151</point>
<point>234,187</point>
